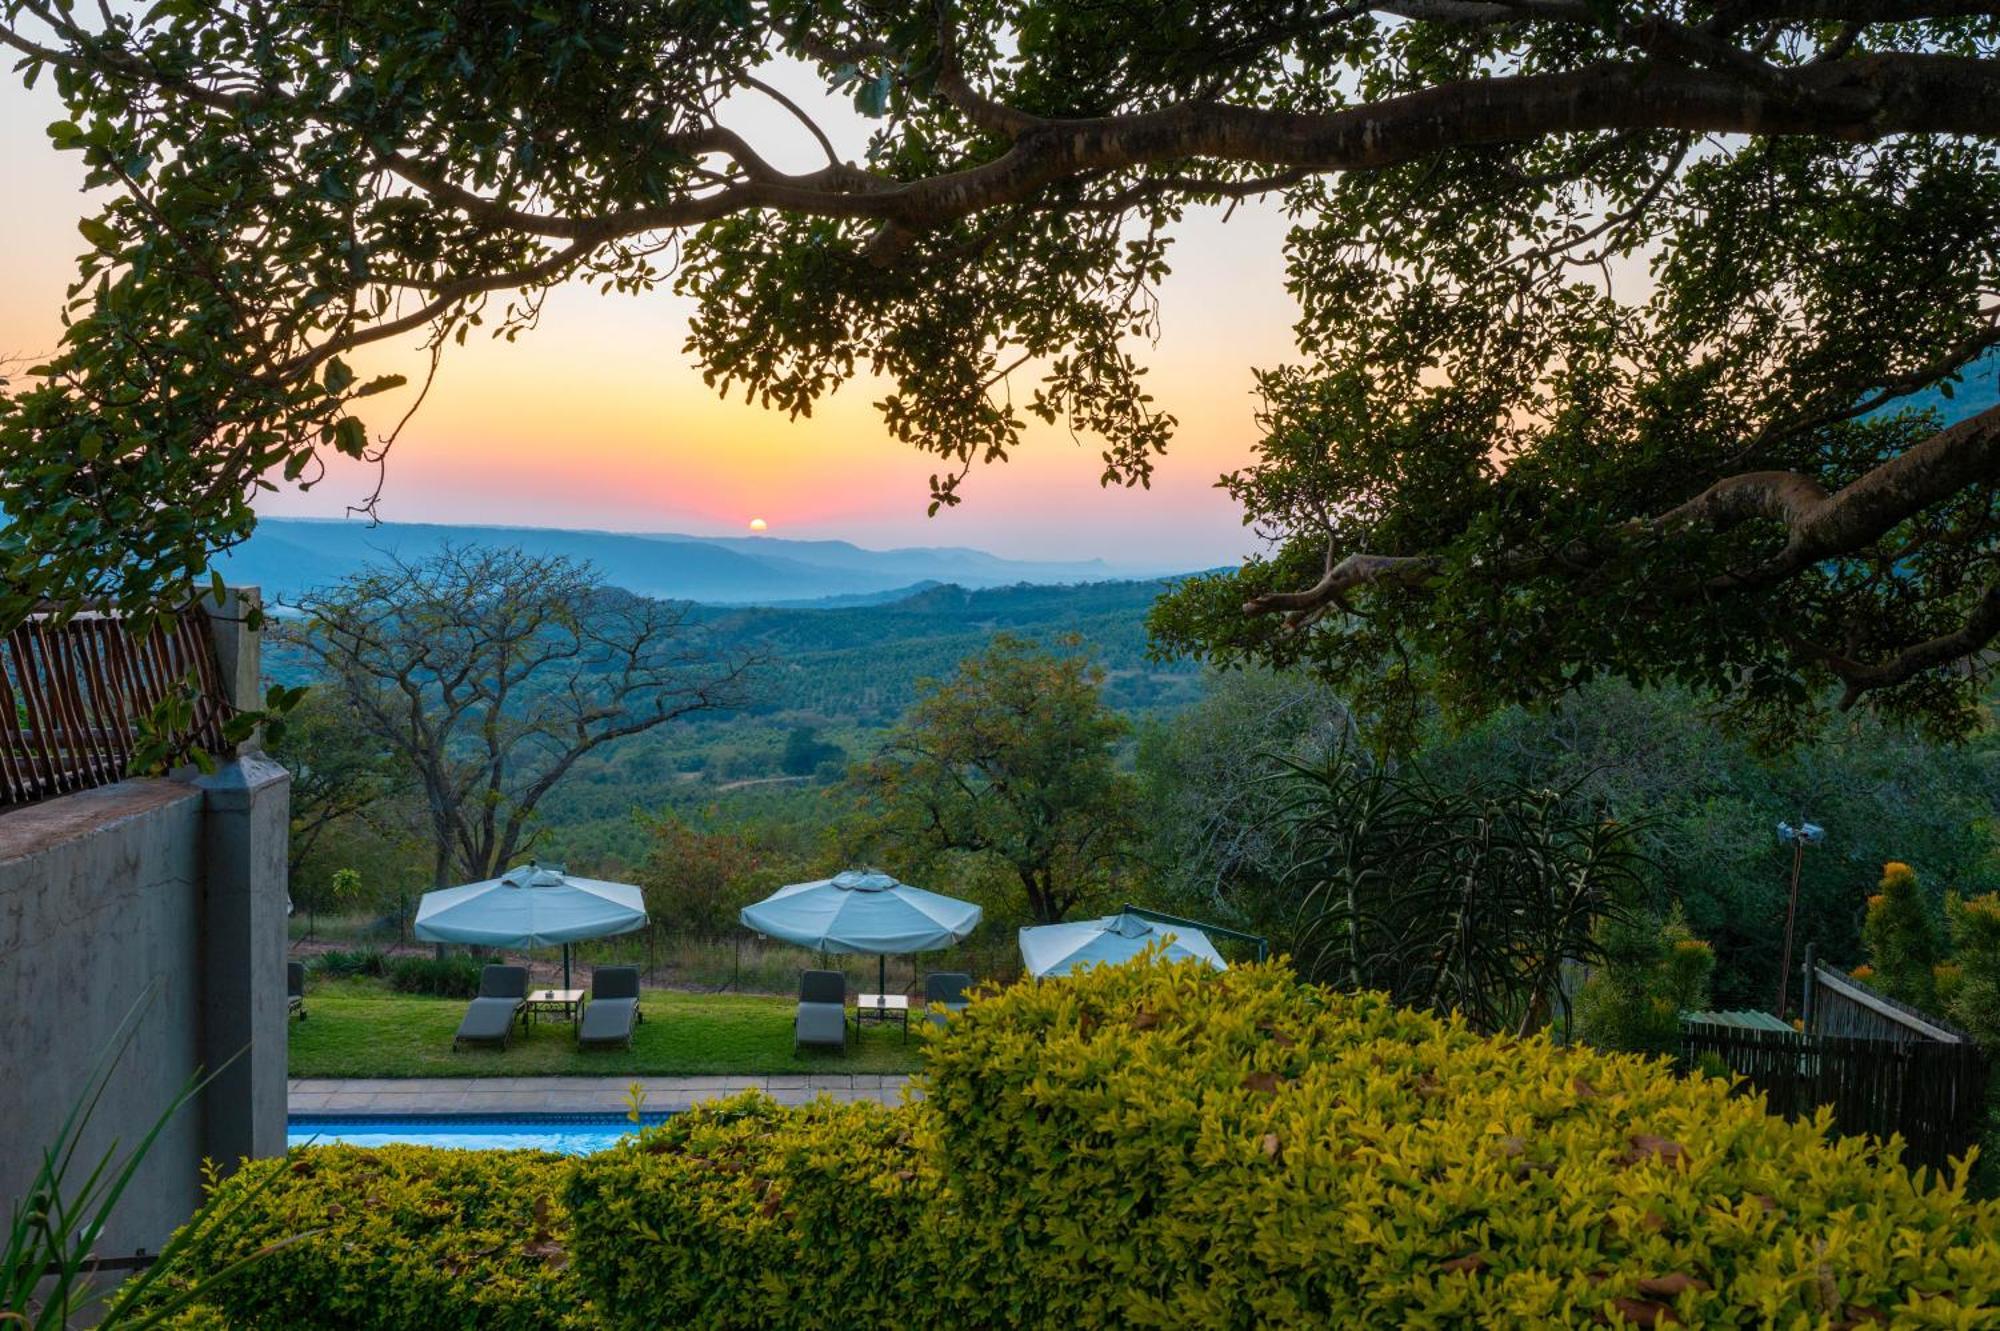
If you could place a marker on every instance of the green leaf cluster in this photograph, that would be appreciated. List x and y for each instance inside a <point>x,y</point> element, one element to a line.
<point>1009,760</point>
<point>1469,899</point>
<point>400,1238</point>
<point>1905,944</point>
<point>1161,1146</point>
<point>1158,1146</point>
<point>1975,936</point>
<point>441,977</point>
<point>747,1215</point>
<point>1652,971</point>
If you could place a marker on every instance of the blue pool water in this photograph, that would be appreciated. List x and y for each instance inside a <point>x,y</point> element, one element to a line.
<point>566,1134</point>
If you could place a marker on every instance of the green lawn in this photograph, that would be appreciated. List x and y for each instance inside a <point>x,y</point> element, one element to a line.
<point>360,1028</point>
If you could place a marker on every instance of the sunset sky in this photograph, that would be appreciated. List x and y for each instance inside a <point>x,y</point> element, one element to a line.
<point>598,419</point>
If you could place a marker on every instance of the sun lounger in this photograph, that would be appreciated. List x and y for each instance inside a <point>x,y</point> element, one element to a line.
<point>490,1017</point>
<point>295,989</point>
<point>822,1016</point>
<point>948,989</point>
<point>613,1009</point>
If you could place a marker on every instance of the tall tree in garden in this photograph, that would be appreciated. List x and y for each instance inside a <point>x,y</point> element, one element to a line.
<point>1205,773</point>
<point>490,674</point>
<point>1975,939</point>
<point>1904,942</point>
<point>1011,758</point>
<point>341,767</point>
<point>1608,311</point>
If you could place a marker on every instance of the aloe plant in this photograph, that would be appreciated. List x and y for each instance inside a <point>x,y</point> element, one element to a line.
<point>46,1274</point>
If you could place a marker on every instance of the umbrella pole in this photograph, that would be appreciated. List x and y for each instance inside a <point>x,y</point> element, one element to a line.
<point>881,973</point>
<point>565,965</point>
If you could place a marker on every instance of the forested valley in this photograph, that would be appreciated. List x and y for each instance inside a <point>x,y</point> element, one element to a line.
<point>1201,802</point>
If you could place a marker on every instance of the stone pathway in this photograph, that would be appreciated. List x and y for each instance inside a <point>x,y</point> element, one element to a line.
<point>570,1095</point>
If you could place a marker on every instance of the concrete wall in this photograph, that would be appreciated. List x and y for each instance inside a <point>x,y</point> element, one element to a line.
<point>100,899</point>
<point>170,895</point>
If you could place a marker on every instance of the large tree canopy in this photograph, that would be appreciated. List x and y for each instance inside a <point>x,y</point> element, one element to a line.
<point>1601,302</point>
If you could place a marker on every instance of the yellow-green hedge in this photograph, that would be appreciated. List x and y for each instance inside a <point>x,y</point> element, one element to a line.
<point>1166,1147</point>
<point>746,1215</point>
<point>400,1238</point>
<point>1158,1147</point>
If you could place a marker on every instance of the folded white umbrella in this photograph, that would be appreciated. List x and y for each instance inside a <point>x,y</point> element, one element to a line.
<point>535,905</point>
<point>1057,949</point>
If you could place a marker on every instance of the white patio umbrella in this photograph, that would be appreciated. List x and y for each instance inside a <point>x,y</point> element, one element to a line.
<point>535,905</point>
<point>862,911</point>
<point>1057,949</point>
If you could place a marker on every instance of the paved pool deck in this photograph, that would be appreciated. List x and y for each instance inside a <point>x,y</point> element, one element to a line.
<point>570,1095</point>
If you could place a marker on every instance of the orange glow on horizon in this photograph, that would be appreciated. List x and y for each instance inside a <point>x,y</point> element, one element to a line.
<point>598,419</point>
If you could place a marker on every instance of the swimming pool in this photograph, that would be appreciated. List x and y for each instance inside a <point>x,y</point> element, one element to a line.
<point>565,1134</point>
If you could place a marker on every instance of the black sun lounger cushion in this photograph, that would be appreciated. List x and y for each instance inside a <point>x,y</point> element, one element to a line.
<point>489,1018</point>
<point>608,1021</point>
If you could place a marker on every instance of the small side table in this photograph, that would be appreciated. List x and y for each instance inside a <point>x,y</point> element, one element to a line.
<point>883,1007</point>
<point>566,1004</point>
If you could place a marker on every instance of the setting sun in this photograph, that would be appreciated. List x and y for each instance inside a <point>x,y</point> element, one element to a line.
<point>758,524</point>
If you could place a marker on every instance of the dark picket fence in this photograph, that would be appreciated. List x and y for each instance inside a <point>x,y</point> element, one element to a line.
<point>73,689</point>
<point>1931,1092</point>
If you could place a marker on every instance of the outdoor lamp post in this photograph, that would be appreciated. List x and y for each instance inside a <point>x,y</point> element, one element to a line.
<point>1798,838</point>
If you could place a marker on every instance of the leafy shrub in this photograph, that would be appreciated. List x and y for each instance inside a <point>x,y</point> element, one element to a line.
<point>400,1238</point>
<point>697,879</point>
<point>1452,898</point>
<point>348,964</point>
<point>1903,942</point>
<point>1972,999</point>
<point>1653,971</point>
<point>1164,1147</point>
<point>1975,996</point>
<point>1158,1147</point>
<point>441,977</point>
<point>746,1215</point>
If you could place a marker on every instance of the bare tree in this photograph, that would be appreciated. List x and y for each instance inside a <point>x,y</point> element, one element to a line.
<point>491,673</point>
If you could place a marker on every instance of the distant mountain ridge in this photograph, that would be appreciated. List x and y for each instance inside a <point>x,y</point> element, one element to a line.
<point>287,556</point>
<point>1977,390</point>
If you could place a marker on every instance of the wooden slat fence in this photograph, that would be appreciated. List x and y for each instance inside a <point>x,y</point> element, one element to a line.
<point>73,689</point>
<point>1840,1005</point>
<point>1932,1092</point>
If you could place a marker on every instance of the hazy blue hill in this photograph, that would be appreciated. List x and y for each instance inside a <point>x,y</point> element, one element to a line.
<point>975,568</point>
<point>863,663</point>
<point>855,599</point>
<point>285,556</point>
<point>1977,391</point>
